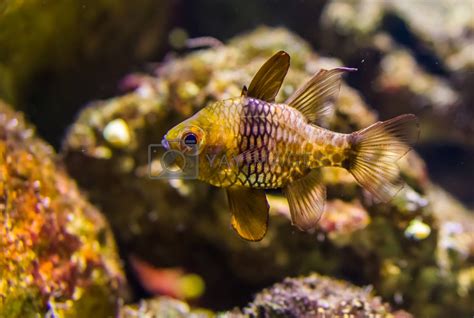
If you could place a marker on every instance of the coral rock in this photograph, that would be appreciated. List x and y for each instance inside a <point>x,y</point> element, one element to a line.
<point>317,296</point>
<point>57,252</point>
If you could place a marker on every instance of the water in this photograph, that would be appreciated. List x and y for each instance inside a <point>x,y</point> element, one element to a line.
<point>102,82</point>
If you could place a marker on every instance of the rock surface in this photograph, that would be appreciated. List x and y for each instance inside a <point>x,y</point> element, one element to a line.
<point>309,296</point>
<point>416,251</point>
<point>163,307</point>
<point>316,296</point>
<point>58,256</point>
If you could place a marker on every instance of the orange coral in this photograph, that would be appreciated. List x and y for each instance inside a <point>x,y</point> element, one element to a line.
<point>50,234</point>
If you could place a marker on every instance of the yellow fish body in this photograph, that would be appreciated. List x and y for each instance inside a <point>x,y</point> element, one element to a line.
<point>250,143</point>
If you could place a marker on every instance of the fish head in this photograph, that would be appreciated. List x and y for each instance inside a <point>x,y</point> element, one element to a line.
<point>210,134</point>
<point>186,137</point>
<point>210,130</point>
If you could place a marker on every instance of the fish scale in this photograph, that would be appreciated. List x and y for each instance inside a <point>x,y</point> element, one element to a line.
<point>274,140</point>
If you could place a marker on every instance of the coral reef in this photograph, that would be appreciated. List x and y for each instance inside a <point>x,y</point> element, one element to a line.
<point>163,307</point>
<point>58,256</point>
<point>309,296</point>
<point>316,296</point>
<point>416,250</point>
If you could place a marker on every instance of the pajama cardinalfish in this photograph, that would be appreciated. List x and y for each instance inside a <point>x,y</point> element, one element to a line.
<point>251,143</point>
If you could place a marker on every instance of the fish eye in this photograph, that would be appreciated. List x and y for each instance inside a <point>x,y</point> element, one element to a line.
<point>190,139</point>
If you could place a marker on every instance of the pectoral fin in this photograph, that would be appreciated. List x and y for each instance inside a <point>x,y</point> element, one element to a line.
<point>267,82</point>
<point>249,210</point>
<point>313,97</point>
<point>306,198</point>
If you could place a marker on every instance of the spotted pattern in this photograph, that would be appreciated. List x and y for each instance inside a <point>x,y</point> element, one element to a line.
<point>331,148</point>
<point>269,145</point>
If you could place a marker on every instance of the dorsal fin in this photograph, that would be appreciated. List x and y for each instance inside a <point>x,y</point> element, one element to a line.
<point>244,91</point>
<point>267,82</point>
<point>311,99</point>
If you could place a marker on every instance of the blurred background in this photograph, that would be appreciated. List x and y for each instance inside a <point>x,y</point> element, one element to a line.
<point>75,67</point>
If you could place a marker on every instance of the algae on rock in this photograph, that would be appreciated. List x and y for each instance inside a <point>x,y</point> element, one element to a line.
<point>57,255</point>
<point>163,307</point>
<point>308,296</point>
<point>316,296</point>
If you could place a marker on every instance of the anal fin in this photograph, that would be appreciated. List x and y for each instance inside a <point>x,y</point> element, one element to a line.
<point>306,198</point>
<point>249,208</point>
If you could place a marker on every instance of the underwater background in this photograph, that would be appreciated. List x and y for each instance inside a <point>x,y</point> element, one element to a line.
<point>87,86</point>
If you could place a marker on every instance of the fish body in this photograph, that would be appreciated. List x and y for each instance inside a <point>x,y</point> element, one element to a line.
<point>251,143</point>
<point>267,145</point>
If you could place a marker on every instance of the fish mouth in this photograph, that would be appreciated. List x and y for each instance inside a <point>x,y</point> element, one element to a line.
<point>165,143</point>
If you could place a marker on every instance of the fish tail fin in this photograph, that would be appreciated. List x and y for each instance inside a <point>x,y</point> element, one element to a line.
<point>375,151</point>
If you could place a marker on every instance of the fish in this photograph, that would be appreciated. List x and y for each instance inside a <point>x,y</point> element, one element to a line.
<point>250,143</point>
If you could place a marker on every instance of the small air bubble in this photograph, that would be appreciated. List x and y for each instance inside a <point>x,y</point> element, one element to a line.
<point>12,123</point>
<point>398,298</point>
<point>153,215</point>
<point>320,237</point>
